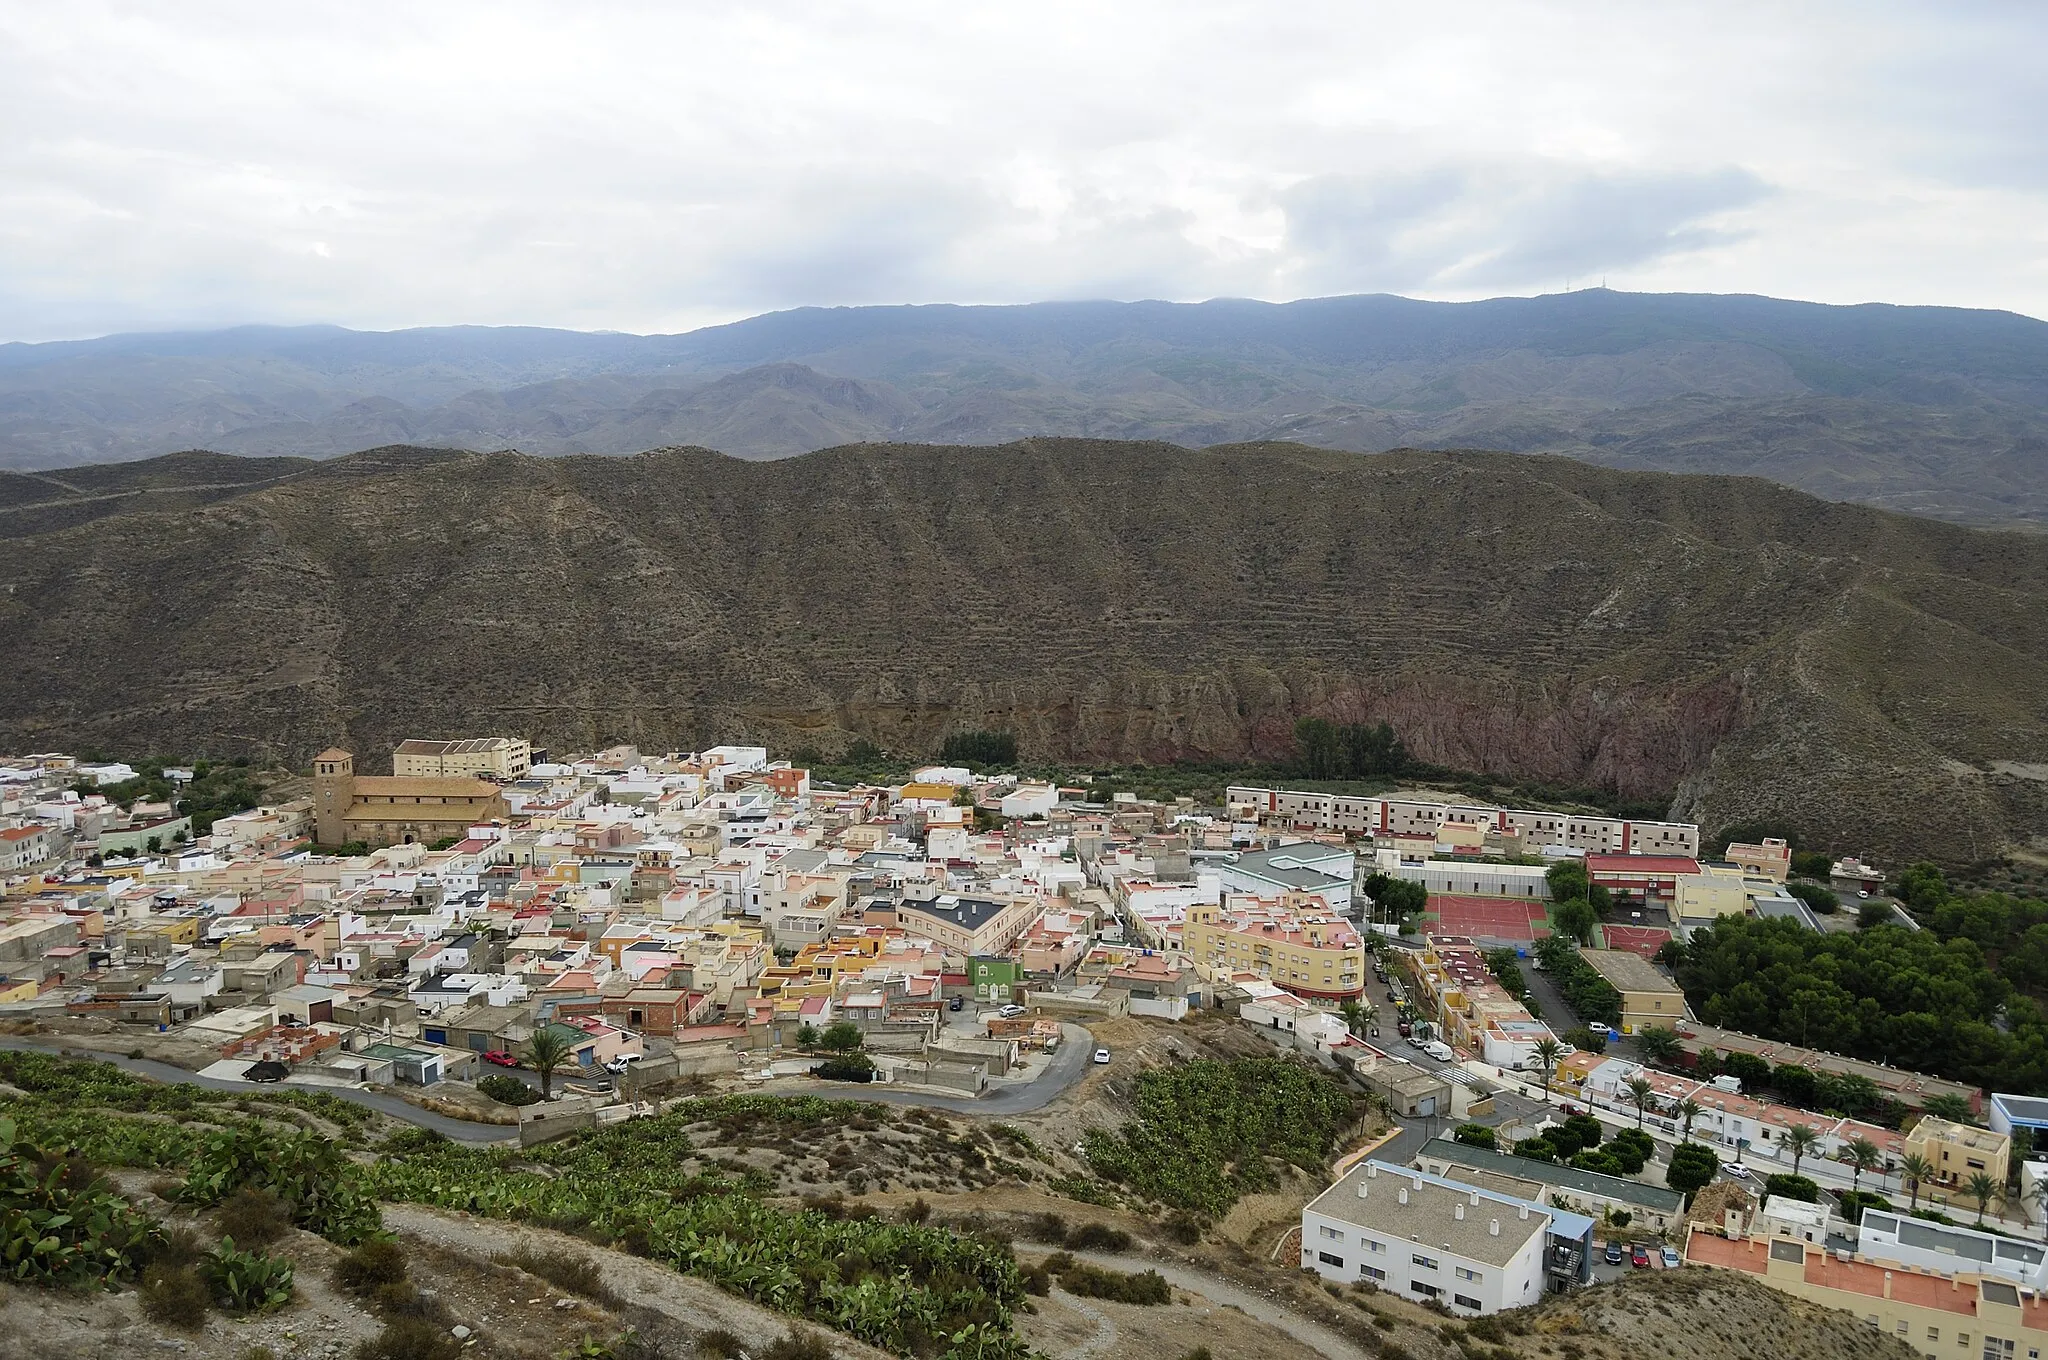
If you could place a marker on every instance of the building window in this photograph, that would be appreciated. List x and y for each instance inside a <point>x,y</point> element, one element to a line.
<point>1471,1275</point>
<point>1425,1262</point>
<point>1330,1260</point>
<point>1934,1333</point>
<point>1427,1290</point>
<point>1333,1234</point>
<point>1376,1274</point>
<point>1371,1245</point>
<point>1467,1301</point>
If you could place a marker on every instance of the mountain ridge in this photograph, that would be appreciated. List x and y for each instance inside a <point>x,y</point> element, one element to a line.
<point>1744,651</point>
<point>1937,411</point>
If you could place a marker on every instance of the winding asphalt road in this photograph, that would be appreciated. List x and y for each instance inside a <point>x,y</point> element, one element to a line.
<point>462,1130</point>
<point>1069,1064</point>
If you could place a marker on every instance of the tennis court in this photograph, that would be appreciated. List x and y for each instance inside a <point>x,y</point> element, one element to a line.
<point>1643,940</point>
<point>1515,919</point>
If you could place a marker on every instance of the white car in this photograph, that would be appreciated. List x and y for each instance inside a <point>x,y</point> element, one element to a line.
<point>1740,1173</point>
<point>621,1063</point>
<point>1101,1057</point>
<point>1010,1012</point>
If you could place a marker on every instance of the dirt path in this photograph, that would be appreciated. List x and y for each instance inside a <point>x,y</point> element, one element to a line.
<point>1104,1340</point>
<point>1258,1307</point>
<point>691,1302</point>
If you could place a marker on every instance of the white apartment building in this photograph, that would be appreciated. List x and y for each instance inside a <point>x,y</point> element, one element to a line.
<point>1950,1250</point>
<point>1424,1237</point>
<point>1422,817</point>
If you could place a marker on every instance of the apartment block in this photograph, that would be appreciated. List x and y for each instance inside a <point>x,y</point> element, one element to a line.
<point>1430,1239</point>
<point>1295,941</point>
<point>1399,817</point>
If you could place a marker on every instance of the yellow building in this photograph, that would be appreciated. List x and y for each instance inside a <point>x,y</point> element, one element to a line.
<point>1711,892</point>
<point>1648,998</point>
<point>389,810</point>
<point>1294,941</point>
<point>499,758</point>
<point>1959,1151</point>
<point>1772,859</point>
<point>1959,1317</point>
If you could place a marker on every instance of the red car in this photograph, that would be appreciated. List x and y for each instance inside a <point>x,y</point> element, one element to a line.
<point>498,1057</point>
<point>1639,1256</point>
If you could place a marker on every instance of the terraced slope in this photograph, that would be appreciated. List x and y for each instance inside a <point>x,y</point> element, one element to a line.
<point>1745,650</point>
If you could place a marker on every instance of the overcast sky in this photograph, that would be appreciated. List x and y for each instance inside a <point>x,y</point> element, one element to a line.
<point>662,166</point>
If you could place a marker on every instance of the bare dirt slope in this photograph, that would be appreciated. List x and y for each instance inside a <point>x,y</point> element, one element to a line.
<point>1727,649</point>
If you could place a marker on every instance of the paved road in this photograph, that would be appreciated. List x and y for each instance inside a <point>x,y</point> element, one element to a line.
<point>1258,1307</point>
<point>1070,1062</point>
<point>462,1130</point>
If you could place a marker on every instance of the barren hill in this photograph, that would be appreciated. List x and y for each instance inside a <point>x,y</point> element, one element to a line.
<point>1747,651</point>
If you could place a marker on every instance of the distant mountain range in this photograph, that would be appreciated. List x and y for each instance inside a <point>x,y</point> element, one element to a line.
<point>1745,654</point>
<point>1937,411</point>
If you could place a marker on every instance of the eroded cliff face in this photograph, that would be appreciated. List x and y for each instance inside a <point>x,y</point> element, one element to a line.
<point>1640,743</point>
<point>1532,618</point>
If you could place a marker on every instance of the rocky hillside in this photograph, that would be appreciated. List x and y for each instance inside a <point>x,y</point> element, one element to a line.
<point>1745,651</point>
<point>1937,411</point>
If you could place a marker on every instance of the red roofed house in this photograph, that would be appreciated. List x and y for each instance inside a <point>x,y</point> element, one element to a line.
<point>1654,878</point>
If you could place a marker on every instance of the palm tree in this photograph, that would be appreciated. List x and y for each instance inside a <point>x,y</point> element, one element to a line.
<point>547,1050</point>
<point>1689,1110</point>
<point>1802,1140</point>
<point>1863,1156</point>
<point>1639,1090</point>
<point>1917,1170</point>
<point>1548,1051</point>
<point>2039,1195</point>
<point>1983,1189</point>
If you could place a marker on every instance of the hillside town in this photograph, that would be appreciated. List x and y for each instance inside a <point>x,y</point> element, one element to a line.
<point>595,925</point>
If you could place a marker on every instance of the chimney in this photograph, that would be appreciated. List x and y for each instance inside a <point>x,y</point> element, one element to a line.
<point>1458,1212</point>
<point>1372,1169</point>
<point>1525,1211</point>
<point>1493,1228</point>
<point>1475,1199</point>
<point>1404,1194</point>
<point>1361,1189</point>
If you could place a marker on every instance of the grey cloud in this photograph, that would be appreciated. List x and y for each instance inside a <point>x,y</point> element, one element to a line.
<point>1494,227</point>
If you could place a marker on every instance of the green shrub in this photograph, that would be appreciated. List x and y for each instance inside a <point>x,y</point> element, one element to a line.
<point>1090,1282</point>
<point>369,1266</point>
<point>254,1217</point>
<point>410,1339</point>
<point>1208,1132</point>
<point>798,1343</point>
<point>61,1223</point>
<point>507,1090</point>
<point>1099,1237</point>
<point>247,1281</point>
<point>851,1067</point>
<point>1182,1227</point>
<point>719,1344</point>
<point>1475,1135</point>
<point>1788,1186</point>
<point>177,1296</point>
<point>1047,1227</point>
<point>566,1270</point>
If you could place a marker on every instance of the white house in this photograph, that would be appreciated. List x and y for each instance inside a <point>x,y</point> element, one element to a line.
<point>1031,800</point>
<point>1427,1238</point>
